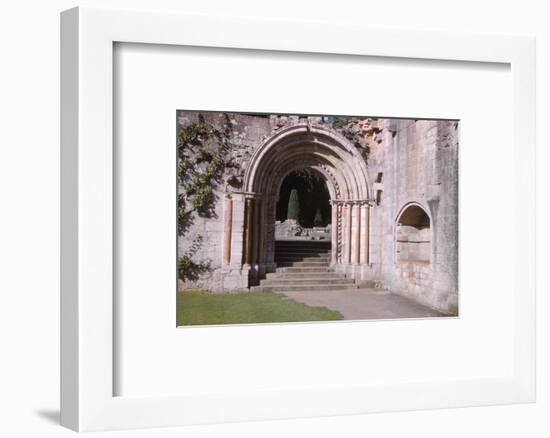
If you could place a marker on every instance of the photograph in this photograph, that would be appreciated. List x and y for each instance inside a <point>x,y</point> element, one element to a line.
<point>293,218</point>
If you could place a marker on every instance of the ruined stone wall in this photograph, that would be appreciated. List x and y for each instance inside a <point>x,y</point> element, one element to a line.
<point>410,162</point>
<point>244,133</point>
<point>417,164</point>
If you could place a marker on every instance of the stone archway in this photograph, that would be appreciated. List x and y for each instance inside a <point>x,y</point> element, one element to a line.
<point>249,232</point>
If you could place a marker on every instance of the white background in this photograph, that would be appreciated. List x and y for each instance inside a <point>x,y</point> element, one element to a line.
<point>29,224</point>
<point>153,81</point>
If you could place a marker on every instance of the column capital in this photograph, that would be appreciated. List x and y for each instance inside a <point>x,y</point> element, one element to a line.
<point>244,195</point>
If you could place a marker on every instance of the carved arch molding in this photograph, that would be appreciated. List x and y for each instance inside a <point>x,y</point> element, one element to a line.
<point>249,232</point>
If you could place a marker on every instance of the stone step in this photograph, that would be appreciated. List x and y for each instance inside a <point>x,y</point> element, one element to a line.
<point>328,289</point>
<point>317,273</point>
<point>299,254</point>
<point>303,287</point>
<point>303,264</point>
<point>301,244</point>
<point>314,245</point>
<point>303,270</point>
<point>301,251</point>
<point>306,280</point>
<point>302,259</point>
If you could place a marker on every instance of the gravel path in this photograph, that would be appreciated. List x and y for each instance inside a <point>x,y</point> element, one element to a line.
<point>364,304</point>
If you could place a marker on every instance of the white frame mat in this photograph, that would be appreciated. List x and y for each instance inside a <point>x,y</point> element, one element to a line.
<point>87,342</point>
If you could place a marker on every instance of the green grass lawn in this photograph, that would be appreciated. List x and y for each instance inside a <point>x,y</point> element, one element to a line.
<point>201,308</point>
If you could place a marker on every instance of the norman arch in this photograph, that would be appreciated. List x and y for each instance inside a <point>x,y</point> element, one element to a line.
<point>315,145</point>
<point>330,155</point>
<point>413,234</point>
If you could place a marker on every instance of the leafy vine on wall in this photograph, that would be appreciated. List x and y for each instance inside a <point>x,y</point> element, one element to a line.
<point>359,131</point>
<point>203,155</point>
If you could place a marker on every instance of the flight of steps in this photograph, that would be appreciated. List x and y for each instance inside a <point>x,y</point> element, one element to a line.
<point>303,266</point>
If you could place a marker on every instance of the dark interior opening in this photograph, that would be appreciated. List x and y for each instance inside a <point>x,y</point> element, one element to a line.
<point>313,195</point>
<point>415,216</point>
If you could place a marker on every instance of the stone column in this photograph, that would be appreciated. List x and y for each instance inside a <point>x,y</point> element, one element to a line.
<point>334,233</point>
<point>249,206</point>
<point>237,230</point>
<point>340,232</point>
<point>261,231</point>
<point>270,233</point>
<point>365,230</point>
<point>347,234</point>
<point>234,276</point>
<point>357,233</point>
<point>255,231</point>
<point>227,230</point>
<point>344,228</point>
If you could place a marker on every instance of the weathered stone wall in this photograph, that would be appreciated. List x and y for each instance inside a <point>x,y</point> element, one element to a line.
<point>417,163</point>
<point>244,133</point>
<point>410,162</point>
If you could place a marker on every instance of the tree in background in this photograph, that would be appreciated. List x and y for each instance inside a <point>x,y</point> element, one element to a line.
<point>293,211</point>
<point>312,193</point>
<point>318,219</point>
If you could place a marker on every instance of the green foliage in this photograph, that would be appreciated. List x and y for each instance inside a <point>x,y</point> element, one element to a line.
<point>201,308</point>
<point>293,211</point>
<point>202,152</point>
<point>341,121</point>
<point>318,219</point>
<point>312,194</point>
<point>349,128</point>
<point>189,269</point>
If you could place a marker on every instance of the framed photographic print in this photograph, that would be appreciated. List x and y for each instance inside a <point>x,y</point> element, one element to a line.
<point>261,228</point>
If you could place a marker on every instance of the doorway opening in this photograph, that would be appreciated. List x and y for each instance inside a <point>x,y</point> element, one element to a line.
<point>303,210</point>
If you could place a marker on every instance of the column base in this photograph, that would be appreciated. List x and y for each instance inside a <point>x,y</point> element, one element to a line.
<point>230,279</point>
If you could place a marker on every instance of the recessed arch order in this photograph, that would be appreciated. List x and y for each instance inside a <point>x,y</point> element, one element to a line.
<point>303,145</point>
<point>326,152</point>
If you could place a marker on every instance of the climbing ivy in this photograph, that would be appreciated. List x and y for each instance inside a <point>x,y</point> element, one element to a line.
<point>189,269</point>
<point>349,127</point>
<point>202,149</point>
<point>200,167</point>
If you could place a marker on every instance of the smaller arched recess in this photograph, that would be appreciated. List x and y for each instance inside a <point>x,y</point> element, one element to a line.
<point>413,235</point>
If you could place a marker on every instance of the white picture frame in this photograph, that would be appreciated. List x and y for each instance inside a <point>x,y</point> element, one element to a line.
<point>87,342</point>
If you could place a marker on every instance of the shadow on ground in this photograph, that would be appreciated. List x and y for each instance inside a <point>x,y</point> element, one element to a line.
<point>52,415</point>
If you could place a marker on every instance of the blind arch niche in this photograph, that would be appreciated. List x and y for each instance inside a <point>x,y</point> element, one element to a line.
<point>413,235</point>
